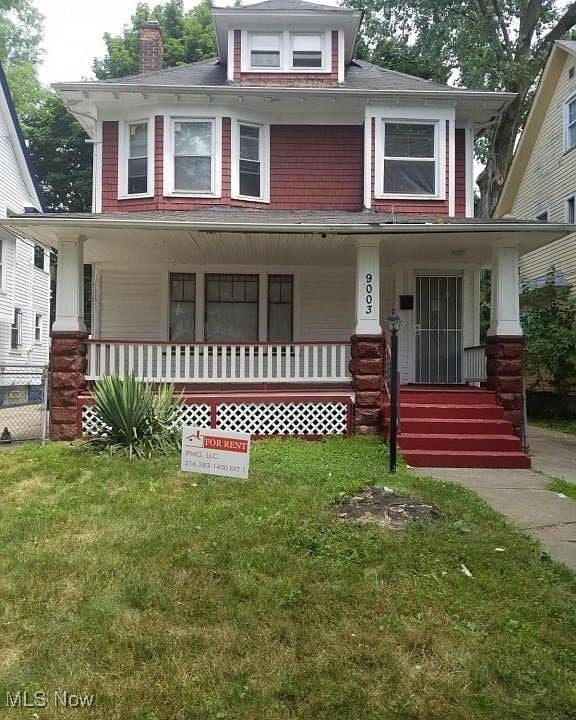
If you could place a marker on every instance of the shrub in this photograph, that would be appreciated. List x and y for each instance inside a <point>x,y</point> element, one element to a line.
<point>139,421</point>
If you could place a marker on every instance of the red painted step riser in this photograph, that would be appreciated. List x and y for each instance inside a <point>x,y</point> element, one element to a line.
<point>490,412</point>
<point>474,444</point>
<point>516,462</point>
<point>451,398</point>
<point>455,427</point>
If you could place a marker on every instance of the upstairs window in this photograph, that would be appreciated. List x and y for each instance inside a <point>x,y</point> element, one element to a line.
<point>250,162</point>
<point>39,257</point>
<point>137,158</point>
<point>307,51</point>
<point>410,159</point>
<point>571,209</point>
<point>16,330</point>
<point>570,123</point>
<point>265,50</point>
<point>38,328</point>
<point>193,156</point>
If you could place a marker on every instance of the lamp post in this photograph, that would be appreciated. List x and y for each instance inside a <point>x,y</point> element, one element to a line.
<point>393,322</point>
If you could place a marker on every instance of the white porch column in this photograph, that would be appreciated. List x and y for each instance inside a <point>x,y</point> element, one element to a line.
<point>505,302</point>
<point>368,288</point>
<point>70,286</point>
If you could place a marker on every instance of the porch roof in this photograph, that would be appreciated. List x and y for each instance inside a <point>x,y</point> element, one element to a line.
<point>282,236</point>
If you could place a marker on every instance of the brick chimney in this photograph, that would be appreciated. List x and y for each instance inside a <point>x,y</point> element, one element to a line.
<point>151,47</point>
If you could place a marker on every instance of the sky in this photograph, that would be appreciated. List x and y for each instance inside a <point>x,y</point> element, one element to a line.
<point>73,31</point>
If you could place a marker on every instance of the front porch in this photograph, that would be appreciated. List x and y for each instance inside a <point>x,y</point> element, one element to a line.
<point>254,304</point>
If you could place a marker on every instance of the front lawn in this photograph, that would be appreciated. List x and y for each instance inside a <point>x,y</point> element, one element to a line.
<point>181,597</point>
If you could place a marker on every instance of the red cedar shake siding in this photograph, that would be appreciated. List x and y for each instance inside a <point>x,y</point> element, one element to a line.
<point>460,178</point>
<point>312,167</point>
<point>288,79</point>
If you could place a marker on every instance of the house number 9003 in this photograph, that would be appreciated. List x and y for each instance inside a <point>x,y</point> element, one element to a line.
<point>368,290</point>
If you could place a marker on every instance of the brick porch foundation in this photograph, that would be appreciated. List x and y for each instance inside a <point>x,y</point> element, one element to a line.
<point>67,378</point>
<point>366,367</point>
<point>504,376</point>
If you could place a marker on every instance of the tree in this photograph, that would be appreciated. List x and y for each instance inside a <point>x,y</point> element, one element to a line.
<point>188,36</point>
<point>20,32</point>
<point>549,324</point>
<point>483,44</point>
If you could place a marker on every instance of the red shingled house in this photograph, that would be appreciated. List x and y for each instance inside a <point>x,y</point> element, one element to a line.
<point>257,215</point>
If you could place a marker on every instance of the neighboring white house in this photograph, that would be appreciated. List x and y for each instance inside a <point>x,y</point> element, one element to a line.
<point>24,266</point>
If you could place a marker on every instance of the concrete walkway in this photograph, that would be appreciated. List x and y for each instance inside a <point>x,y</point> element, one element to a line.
<point>522,495</point>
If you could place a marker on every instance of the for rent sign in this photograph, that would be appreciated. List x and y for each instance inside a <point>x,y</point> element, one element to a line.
<point>215,452</point>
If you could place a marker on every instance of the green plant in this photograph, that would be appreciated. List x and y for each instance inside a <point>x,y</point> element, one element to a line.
<point>139,420</point>
<point>549,325</point>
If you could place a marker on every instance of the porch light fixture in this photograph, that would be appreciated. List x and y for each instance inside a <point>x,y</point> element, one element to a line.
<point>393,321</point>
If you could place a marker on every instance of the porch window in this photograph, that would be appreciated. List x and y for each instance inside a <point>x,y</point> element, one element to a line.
<point>16,330</point>
<point>182,307</point>
<point>280,308</point>
<point>249,161</point>
<point>137,158</point>
<point>410,163</point>
<point>265,50</point>
<point>570,123</point>
<point>307,50</point>
<point>193,156</point>
<point>231,309</point>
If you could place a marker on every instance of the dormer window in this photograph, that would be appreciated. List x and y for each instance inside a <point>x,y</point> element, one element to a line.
<point>265,50</point>
<point>135,158</point>
<point>307,50</point>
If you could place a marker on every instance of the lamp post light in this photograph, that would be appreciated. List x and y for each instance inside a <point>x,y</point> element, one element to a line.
<point>393,322</point>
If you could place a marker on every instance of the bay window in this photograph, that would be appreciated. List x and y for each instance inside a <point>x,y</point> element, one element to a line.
<point>265,50</point>
<point>307,50</point>
<point>231,307</point>
<point>193,154</point>
<point>410,159</point>
<point>182,307</point>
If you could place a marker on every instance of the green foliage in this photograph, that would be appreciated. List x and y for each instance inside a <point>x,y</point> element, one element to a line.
<point>20,32</point>
<point>140,421</point>
<point>485,302</point>
<point>549,325</point>
<point>188,36</point>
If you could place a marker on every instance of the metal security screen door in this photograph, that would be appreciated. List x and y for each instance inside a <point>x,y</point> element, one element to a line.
<point>438,319</point>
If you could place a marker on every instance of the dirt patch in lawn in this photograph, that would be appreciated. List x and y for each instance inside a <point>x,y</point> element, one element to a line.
<point>385,508</point>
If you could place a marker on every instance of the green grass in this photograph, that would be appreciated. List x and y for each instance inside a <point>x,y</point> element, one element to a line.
<point>564,487</point>
<point>172,596</point>
<point>558,424</point>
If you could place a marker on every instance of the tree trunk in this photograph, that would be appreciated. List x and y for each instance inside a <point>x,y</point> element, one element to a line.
<point>491,179</point>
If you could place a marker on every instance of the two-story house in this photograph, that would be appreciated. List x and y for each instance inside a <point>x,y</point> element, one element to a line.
<point>257,216</point>
<point>541,182</point>
<point>24,269</point>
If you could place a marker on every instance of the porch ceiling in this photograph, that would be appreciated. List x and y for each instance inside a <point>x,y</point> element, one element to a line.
<point>274,237</point>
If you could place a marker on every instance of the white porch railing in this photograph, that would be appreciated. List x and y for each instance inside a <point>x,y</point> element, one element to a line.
<point>235,363</point>
<point>475,364</point>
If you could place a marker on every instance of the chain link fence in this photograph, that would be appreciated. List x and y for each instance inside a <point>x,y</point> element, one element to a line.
<point>23,403</point>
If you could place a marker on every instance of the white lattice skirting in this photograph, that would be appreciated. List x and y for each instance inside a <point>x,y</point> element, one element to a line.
<point>305,417</point>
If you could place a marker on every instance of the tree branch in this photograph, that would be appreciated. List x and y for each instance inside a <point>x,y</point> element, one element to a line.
<point>565,23</point>
<point>503,27</point>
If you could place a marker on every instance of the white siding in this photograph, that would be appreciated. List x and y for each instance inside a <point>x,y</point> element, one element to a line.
<point>327,304</point>
<point>549,177</point>
<point>13,192</point>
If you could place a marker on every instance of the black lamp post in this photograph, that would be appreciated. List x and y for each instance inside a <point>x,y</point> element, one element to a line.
<point>393,322</point>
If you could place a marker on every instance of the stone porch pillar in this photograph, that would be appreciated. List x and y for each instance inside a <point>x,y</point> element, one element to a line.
<point>504,340</point>
<point>68,349</point>
<point>367,348</point>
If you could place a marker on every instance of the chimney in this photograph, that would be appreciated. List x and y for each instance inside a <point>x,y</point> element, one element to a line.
<point>151,47</point>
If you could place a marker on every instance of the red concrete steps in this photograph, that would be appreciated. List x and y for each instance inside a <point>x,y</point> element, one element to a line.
<point>456,426</point>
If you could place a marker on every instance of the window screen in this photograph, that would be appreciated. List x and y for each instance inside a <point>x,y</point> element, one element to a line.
<point>409,159</point>
<point>137,158</point>
<point>280,308</point>
<point>250,162</point>
<point>307,51</point>
<point>193,156</point>
<point>265,51</point>
<point>231,312</point>
<point>182,306</point>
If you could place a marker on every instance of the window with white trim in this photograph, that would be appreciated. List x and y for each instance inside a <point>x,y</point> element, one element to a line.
<point>542,216</point>
<point>39,257</point>
<point>182,307</point>
<point>38,328</point>
<point>570,209</point>
<point>410,158</point>
<point>193,152</point>
<point>16,330</point>
<point>231,307</point>
<point>1,263</point>
<point>249,160</point>
<point>265,50</point>
<point>570,123</point>
<point>280,308</point>
<point>137,169</point>
<point>307,50</point>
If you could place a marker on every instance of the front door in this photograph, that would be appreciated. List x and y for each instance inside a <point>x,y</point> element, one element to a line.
<point>438,324</point>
